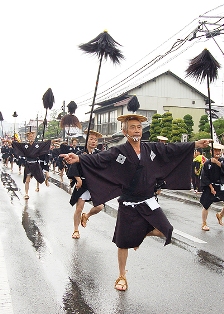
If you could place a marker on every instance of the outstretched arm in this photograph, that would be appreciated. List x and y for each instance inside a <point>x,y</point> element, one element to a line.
<point>70,158</point>
<point>202,143</point>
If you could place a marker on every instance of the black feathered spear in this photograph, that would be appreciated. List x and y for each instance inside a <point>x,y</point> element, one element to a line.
<point>70,120</point>
<point>48,101</point>
<point>204,66</point>
<point>101,46</point>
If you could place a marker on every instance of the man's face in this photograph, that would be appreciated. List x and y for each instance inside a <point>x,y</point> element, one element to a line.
<point>74,143</point>
<point>31,137</point>
<point>134,129</point>
<point>217,152</point>
<point>92,141</point>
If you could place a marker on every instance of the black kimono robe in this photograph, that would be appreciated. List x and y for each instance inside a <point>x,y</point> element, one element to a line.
<point>212,174</point>
<point>110,173</point>
<point>75,170</point>
<point>32,152</point>
<point>119,172</point>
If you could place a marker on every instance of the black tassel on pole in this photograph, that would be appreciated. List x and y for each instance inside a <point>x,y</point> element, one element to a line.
<point>101,46</point>
<point>204,66</point>
<point>48,101</point>
<point>133,105</point>
<point>70,120</point>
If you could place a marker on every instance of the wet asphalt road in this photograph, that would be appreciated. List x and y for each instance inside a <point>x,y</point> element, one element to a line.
<point>49,272</point>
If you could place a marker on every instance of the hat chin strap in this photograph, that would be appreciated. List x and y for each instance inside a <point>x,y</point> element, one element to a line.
<point>135,139</point>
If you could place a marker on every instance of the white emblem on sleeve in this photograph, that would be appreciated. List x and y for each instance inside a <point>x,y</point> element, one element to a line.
<point>26,146</point>
<point>37,146</point>
<point>152,155</point>
<point>120,159</point>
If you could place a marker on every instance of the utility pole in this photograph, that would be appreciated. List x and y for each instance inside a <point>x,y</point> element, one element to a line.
<point>63,109</point>
<point>15,115</point>
<point>37,128</point>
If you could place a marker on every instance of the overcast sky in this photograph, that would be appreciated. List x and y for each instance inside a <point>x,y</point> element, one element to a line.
<point>39,48</point>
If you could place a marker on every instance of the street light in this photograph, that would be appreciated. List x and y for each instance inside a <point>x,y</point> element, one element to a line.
<point>15,115</point>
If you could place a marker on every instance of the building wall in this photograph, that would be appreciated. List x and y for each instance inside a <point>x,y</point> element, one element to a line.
<point>166,93</point>
<point>181,112</point>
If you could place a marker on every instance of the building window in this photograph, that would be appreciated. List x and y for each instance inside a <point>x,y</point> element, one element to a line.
<point>107,122</point>
<point>148,114</point>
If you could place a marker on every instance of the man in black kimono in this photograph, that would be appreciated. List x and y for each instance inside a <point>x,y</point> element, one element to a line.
<point>212,183</point>
<point>31,150</point>
<point>80,194</point>
<point>131,171</point>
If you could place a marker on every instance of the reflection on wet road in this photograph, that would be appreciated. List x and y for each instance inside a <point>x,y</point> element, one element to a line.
<point>80,287</point>
<point>204,258</point>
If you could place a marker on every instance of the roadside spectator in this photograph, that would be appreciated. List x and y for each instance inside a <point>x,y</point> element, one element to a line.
<point>198,162</point>
<point>162,139</point>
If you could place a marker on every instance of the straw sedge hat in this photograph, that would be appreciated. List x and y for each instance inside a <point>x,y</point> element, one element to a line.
<point>133,116</point>
<point>92,132</point>
<point>217,146</point>
<point>162,138</point>
<point>30,132</point>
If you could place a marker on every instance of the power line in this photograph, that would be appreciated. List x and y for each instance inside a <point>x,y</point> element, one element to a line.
<point>202,28</point>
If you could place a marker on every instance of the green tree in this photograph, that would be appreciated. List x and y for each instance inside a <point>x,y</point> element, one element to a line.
<point>166,125</point>
<point>188,120</point>
<point>155,127</point>
<point>53,130</point>
<point>200,135</point>
<point>219,127</point>
<point>179,127</point>
<point>203,120</point>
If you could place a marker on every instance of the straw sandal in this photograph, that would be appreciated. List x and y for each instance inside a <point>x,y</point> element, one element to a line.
<point>26,197</point>
<point>122,282</point>
<point>76,234</point>
<point>219,217</point>
<point>84,220</point>
<point>205,227</point>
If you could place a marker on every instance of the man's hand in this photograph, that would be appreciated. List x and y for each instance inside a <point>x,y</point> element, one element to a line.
<point>70,158</point>
<point>202,143</point>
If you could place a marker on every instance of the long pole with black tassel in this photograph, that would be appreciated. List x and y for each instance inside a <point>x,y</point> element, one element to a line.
<point>102,46</point>
<point>48,101</point>
<point>210,114</point>
<point>205,66</point>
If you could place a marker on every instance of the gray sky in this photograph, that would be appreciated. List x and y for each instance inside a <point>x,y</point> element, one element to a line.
<point>39,48</point>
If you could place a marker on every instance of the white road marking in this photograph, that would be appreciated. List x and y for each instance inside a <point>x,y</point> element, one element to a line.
<point>188,236</point>
<point>5,296</point>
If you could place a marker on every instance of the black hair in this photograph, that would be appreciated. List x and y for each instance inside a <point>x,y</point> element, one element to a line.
<point>199,150</point>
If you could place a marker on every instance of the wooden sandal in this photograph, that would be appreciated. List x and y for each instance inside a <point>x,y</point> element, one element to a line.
<point>84,220</point>
<point>118,282</point>
<point>76,234</point>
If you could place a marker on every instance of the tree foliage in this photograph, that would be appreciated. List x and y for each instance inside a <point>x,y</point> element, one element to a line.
<point>155,127</point>
<point>203,120</point>
<point>179,127</point>
<point>188,120</point>
<point>166,125</point>
<point>53,130</point>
